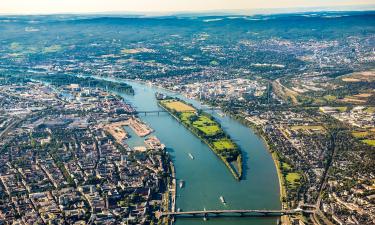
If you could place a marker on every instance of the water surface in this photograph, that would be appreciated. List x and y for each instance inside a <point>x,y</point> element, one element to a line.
<point>206,177</point>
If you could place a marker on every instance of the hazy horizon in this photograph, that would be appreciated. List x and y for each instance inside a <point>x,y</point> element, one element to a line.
<point>162,7</point>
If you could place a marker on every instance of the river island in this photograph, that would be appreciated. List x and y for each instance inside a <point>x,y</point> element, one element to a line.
<point>207,129</point>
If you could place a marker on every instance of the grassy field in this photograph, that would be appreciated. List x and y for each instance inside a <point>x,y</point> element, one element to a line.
<point>293,179</point>
<point>207,126</point>
<point>370,110</point>
<point>330,98</point>
<point>286,166</point>
<point>368,76</point>
<point>214,63</point>
<point>341,108</point>
<point>223,144</point>
<point>177,106</point>
<point>185,116</point>
<point>202,123</point>
<point>355,99</point>
<point>369,142</point>
<point>360,134</point>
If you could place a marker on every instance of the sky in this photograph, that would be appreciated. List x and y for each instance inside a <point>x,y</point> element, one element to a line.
<point>93,6</point>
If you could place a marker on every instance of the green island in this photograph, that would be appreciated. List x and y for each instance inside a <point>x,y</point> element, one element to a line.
<point>208,130</point>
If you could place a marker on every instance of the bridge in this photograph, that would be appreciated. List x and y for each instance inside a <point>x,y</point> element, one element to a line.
<point>234,212</point>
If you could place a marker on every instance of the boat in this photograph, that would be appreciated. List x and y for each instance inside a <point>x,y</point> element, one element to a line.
<point>191,156</point>
<point>222,200</point>
<point>181,183</point>
<point>221,114</point>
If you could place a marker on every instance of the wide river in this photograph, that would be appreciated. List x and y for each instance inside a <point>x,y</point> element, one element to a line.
<point>206,177</point>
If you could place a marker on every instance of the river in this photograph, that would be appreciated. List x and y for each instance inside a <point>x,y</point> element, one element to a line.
<point>206,177</point>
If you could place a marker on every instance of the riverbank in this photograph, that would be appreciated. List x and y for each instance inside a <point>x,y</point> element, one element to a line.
<point>260,133</point>
<point>236,172</point>
<point>168,197</point>
<point>285,220</point>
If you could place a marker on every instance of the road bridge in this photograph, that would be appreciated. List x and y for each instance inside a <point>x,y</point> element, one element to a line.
<point>235,212</point>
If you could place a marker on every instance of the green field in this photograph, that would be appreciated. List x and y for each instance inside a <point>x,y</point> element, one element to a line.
<point>370,109</point>
<point>223,144</point>
<point>185,117</point>
<point>360,134</point>
<point>293,179</point>
<point>207,126</point>
<point>286,166</point>
<point>203,123</point>
<point>214,63</point>
<point>177,105</point>
<point>369,142</point>
<point>330,98</point>
<point>341,108</point>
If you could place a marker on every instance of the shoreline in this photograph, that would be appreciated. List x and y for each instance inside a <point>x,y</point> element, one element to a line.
<point>276,162</point>
<point>172,188</point>
<point>256,130</point>
<point>142,129</point>
<point>285,219</point>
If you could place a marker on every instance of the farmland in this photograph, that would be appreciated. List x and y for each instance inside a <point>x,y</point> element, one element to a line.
<point>178,106</point>
<point>365,136</point>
